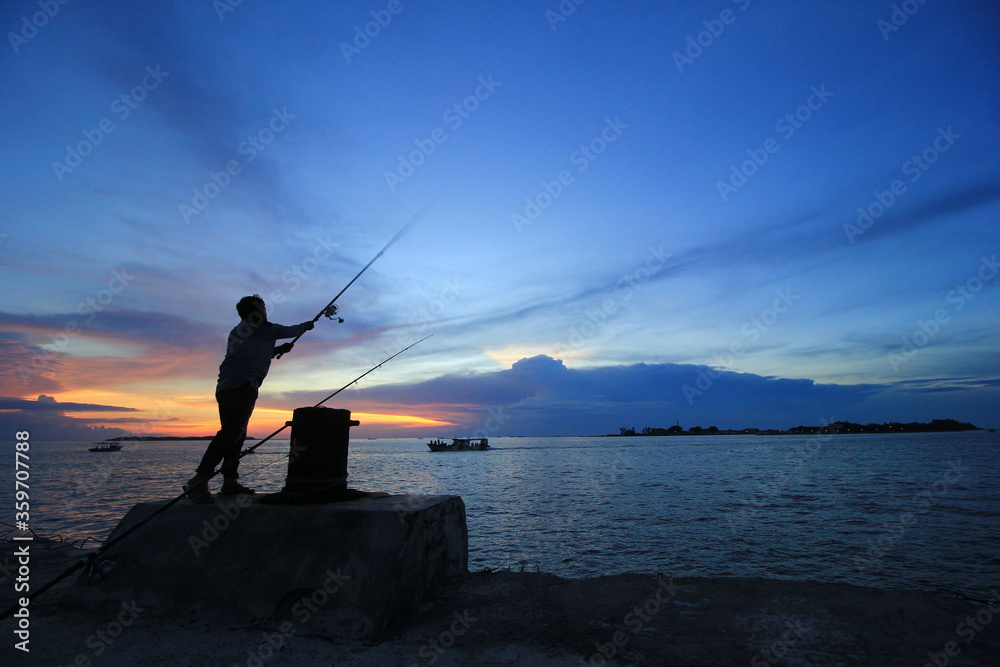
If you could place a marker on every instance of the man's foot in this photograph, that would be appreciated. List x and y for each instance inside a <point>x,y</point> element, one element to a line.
<point>234,488</point>
<point>197,490</point>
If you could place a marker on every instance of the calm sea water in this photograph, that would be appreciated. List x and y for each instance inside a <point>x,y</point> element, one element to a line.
<point>899,511</point>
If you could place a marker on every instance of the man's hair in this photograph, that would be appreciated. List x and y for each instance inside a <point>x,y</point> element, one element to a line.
<point>249,305</point>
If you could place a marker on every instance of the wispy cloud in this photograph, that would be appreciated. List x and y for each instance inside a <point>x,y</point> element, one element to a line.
<point>48,404</point>
<point>121,326</point>
<point>938,209</point>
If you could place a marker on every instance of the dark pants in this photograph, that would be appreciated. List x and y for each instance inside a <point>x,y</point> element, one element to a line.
<point>235,408</point>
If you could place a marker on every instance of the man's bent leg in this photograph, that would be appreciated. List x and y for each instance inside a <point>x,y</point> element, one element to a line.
<point>231,454</point>
<point>235,408</point>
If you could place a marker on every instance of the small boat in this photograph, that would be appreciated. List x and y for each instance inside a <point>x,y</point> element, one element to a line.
<point>459,445</point>
<point>106,446</point>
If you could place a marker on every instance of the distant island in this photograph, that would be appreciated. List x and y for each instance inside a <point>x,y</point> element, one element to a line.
<point>122,438</point>
<point>933,426</point>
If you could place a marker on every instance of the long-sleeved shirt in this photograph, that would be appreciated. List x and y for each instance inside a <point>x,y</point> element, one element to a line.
<point>249,351</point>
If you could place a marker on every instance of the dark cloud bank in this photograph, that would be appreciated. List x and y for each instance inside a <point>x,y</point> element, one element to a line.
<point>47,420</point>
<point>541,396</point>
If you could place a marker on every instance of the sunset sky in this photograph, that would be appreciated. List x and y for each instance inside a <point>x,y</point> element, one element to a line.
<point>733,213</point>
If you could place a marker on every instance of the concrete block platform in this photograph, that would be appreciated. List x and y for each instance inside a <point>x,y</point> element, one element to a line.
<point>347,569</point>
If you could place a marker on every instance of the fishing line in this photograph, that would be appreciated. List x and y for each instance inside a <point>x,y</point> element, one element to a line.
<point>330,309</point>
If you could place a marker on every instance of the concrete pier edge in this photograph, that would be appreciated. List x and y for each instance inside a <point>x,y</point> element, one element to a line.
<point>353,569</point>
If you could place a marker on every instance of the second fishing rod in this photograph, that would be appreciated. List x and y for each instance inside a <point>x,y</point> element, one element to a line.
<point>329,310</point>
<point>91,558</point>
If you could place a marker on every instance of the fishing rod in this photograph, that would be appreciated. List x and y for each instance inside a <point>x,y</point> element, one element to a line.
<point>330,309</point>
<point>249,450</point>
<point>93,556</point>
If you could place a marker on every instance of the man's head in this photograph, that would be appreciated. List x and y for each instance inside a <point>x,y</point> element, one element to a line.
<point>252,309</point>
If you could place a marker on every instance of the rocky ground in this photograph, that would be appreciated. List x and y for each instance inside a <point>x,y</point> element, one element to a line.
<point>521,618</point>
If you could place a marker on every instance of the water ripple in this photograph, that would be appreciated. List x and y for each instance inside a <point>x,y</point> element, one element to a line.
<point>870,510</point>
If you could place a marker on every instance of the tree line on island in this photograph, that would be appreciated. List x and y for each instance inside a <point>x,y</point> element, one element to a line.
<point>935,425</point>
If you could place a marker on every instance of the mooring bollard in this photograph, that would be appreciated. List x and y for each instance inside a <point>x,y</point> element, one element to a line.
<point>317,460</point>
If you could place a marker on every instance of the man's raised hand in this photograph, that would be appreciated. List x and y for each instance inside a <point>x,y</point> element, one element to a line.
<point>282,349</point>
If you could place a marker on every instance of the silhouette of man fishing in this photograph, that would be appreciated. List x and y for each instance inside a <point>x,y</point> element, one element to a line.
<point>249,350</point>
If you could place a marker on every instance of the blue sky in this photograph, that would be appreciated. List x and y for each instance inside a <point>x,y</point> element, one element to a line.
<point>731,213</point>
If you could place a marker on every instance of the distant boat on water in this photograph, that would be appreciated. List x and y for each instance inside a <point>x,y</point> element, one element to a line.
<point>459,445</point>
<point>105,446</point>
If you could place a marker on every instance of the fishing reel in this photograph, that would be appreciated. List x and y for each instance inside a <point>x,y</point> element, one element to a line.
<point>331,313</point>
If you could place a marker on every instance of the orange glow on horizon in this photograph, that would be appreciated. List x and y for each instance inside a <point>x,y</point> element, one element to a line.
<point>263,422</point>
<point>266,424</point>
<point>179,409</point>
<point>398,420</point>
